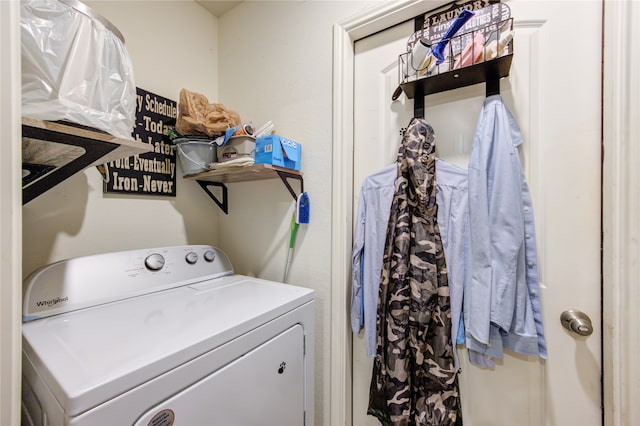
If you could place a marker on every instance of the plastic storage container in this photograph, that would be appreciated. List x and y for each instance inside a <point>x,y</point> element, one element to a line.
<point>237,147</point>
<point>75,67</point>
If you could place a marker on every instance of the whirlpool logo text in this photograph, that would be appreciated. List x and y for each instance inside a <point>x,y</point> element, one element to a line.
<point>51,302</point>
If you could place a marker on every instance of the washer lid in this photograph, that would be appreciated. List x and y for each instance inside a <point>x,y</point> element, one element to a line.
<point>89,356</point>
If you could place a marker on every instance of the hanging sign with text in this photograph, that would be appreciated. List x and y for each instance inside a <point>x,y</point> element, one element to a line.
<point>488,14</point>
<point>151,173</point>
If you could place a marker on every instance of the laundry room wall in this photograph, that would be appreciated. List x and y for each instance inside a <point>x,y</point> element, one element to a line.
<point>172,44</point>
<point>276,64</point>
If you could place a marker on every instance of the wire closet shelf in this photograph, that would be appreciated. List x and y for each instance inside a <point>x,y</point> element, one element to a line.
<point>481,55</point>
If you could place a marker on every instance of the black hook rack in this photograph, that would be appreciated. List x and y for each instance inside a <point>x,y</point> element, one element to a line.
<point>486,71</point>
<point>418,101</point>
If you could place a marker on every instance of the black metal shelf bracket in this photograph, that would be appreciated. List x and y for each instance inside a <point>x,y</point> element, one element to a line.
<point>224,203</point>
<point>284,176</point>
<point>94,150</point>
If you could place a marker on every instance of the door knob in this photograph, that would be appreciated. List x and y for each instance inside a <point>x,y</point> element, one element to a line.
<point>576,322</point>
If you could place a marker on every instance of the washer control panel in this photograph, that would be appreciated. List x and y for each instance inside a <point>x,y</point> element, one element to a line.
<point>68,285</point>
<point>156,261</point>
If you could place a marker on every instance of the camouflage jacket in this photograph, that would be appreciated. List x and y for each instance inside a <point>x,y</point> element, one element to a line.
<point>414,378</point>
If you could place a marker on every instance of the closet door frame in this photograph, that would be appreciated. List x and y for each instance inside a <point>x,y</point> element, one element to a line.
<point>621,204</point>
<point>620,210</point>
<point>10,214</point>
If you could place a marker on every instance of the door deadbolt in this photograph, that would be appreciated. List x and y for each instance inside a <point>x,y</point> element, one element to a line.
<point>576,322</point>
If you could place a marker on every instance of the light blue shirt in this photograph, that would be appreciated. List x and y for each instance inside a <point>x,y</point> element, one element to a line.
<point>502,297</point>
<point>374,206</point>
<point>453,221</point>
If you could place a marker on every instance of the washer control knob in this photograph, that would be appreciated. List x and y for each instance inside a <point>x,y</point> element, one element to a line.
<point>209,255</point>
<point>154,262</point>
<point>191,258</point>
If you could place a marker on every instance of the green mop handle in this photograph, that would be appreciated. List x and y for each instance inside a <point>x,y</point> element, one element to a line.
<point>292,242</point>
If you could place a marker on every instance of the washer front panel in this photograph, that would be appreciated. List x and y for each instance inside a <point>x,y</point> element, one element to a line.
<point>263,387</point>
<point>87,357</point>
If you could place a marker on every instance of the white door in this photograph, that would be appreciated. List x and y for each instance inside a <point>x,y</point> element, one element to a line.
<point>554,92</point>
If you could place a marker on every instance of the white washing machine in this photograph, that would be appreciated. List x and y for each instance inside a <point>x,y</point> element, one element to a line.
<point>167,336</point>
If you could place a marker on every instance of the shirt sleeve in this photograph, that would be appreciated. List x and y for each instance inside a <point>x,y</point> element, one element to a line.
<point>357,296</point>
<point>505,219</point>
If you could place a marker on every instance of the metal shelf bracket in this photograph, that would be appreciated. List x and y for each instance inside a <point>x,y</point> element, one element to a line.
<point>94,150</point>
<point>284,176</point>
<point>224,203</point>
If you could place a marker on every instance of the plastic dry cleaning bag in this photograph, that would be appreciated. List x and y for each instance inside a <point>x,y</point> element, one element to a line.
<point>75,67</point>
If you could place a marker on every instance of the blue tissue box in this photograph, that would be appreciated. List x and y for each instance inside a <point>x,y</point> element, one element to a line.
<point>278,151</point>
